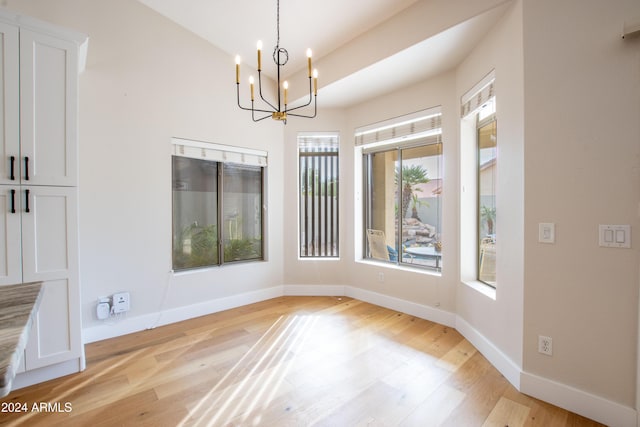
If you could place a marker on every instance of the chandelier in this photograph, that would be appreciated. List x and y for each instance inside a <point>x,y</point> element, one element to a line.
<point>280,110</point>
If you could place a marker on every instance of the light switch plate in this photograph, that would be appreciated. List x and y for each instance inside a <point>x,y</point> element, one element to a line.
<point>546,232</point>
<point>614,236</point>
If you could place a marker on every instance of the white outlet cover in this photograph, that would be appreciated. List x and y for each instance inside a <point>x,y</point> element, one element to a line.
<point>545,345</point>
<point>546,232</point>
<point>121,302</point>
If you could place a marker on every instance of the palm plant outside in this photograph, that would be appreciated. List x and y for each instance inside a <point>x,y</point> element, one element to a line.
<point>488,215</point>
<point>411,177</point>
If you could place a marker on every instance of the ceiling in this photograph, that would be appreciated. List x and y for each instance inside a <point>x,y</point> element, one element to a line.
<point>336,29</point>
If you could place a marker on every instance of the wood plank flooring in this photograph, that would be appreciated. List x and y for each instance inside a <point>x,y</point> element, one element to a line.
<point>289,361</point>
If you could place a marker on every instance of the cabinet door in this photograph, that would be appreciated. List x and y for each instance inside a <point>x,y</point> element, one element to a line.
<point>10,238</point>
<point>49,233</point>
<point>56,331</point>
<point>9,104</point>
<point>48,110</point>
<point>50,246</point>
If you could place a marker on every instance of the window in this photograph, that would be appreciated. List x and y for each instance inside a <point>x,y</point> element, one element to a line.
<point>402,187</point>
<point>242,212</point>
<point>217,205</point>
<point>479,187</point>
<point>318,195</point>
<point>195,213</point>
<point>487,140</point>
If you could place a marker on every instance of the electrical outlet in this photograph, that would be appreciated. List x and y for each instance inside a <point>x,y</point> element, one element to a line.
<point>121,302</point>
<point>545,345</point>
<point>381,277</point>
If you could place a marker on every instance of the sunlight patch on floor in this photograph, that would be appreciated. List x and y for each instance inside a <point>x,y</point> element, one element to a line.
<point>257,378</point>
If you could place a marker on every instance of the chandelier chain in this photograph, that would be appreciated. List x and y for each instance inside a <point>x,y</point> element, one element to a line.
<point>280,55</point>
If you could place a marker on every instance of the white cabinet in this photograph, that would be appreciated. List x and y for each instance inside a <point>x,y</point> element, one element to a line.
<point>48,110</point>
<point>38,182</point>
<point>50,255</point>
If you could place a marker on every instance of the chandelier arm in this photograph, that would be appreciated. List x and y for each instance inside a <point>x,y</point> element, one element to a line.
<point>308,102</point>
<point>253,109</point>
<point>253,117</point>
<point>260,93</point>
<point>315,111</point>
<point>270,112</point>
<point>238,93</point>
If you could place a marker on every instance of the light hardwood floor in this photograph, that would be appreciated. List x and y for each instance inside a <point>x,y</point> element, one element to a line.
<point>289,361</point>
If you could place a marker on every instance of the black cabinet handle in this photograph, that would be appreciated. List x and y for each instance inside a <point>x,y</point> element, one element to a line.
<point>12,174</point>
<point>26,208</point>
<point>13,201</point>
<point>26,168</point>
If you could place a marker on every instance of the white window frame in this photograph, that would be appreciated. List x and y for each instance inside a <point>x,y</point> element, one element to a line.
<point>224,155</point>
<point>399,132</point>
<point>471,102</point>
<point>320,254</point>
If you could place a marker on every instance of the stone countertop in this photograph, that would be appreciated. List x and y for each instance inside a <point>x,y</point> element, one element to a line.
<point>18,307</point>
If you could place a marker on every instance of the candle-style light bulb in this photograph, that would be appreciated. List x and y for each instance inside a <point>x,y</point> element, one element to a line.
<point>315,82</point>
<point>237,68</point>
<point>309,60</point>
<point>251,86</point>
<point>285,85</point>
<point>259,55</point>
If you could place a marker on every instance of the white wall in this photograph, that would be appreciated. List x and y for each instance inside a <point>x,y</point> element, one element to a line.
<point>147,80</point>
<point>499,320</point>
<point>582,163</point>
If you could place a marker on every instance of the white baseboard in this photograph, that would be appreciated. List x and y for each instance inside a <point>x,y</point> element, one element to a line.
<point>493,354</point>
<point>314,290</point>
<point>422,311</point>
<point>572,399</point>
<point>40,375</point>
<point>128,325</point>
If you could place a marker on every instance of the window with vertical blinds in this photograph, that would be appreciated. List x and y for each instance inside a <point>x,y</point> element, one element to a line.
<point>318,166</point>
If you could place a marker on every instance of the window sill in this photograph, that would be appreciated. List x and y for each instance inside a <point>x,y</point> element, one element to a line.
<point>482,288</point>
<point>424,271</point>
<point>214,267</point>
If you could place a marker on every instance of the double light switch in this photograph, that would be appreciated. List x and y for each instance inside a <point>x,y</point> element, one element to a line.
<point>615,236</point>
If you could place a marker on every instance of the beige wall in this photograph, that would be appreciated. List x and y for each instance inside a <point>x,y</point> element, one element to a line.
<point>582,157</point>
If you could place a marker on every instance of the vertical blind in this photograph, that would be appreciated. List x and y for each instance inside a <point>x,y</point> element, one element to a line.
<point>318,197</point>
